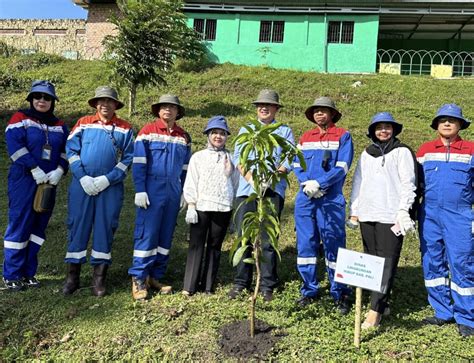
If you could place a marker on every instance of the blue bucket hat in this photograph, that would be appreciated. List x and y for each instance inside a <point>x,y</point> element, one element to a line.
<point>450,110</point>
<point>217,122</point>
<point>42,87</point>
<point>385,117</point>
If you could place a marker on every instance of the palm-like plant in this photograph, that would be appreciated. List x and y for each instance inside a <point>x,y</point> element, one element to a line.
<point>257,147</point>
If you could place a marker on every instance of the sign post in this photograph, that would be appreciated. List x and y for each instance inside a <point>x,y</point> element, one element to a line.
<point>362,271</point>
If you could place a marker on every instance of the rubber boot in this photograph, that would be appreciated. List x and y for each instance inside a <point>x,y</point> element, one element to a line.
<point>72,278</point>
<point>98,280</point>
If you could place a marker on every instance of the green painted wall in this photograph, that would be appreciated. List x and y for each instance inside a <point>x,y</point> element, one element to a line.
<point>303,47</point>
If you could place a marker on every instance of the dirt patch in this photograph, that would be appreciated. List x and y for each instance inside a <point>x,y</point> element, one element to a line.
<point>236,342</point>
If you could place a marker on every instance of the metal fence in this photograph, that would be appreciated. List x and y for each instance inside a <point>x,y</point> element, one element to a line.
<point>419,62</point>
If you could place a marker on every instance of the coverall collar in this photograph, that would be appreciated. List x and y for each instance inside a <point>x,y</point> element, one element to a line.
<point>330,130</point>
<point>457,143</point>
<point>113,120</point>
<point>164,126</point>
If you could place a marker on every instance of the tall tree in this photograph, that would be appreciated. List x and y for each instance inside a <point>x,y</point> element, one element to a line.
<point>150,35</point>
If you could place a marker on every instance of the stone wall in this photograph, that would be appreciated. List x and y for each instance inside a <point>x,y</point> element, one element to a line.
<point>63,37</point>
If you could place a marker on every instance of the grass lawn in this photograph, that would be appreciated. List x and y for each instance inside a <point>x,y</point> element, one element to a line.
<point>43,324</point>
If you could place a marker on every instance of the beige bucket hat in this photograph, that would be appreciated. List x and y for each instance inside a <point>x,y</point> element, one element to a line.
<point>168,99</point>
<point>323,102</point>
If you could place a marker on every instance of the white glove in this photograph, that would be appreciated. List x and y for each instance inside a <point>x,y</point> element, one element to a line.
<point>101,183</point>
<point>352,224</point>
<point>310,187</point>
<point>87,183</point>
<point>264,185</point>
<point>318,194</point>
<point>39,175</point>
<point>182,203</point>
<point>141,200</point>
<point>404,221</point>
<point>191,215</point>
<point>55,175</point>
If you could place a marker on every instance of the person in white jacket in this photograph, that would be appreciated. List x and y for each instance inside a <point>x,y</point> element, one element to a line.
<point>383,192</point>
<point>209,190</point>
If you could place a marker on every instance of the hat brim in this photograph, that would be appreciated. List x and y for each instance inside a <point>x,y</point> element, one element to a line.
<point>257,102</point>
<point>310,113</point>
<point>206,131</point>
<point>397,128</point>
<point>30,95</point>
<point>464,123</point>
<point>155,109</point>
<point>93,102</point>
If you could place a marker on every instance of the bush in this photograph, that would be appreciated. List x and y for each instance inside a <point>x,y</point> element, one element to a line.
<point>199,65</point>
<point>34,61</point>
<point>13,82</point>
<point>7,51</point>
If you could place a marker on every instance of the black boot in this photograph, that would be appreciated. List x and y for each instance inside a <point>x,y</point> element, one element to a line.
<point>98,280</point>
<point>72,278</point>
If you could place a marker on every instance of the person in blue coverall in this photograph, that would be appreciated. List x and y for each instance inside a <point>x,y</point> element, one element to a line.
<point>320,204</point>
<point>162,153</point>
<point>267,105</point>
<point>446,221</point>
<point>99,150</point>
<point>36,141</point>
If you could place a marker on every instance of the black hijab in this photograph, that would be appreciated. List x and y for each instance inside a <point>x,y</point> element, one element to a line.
<point>46,118</point>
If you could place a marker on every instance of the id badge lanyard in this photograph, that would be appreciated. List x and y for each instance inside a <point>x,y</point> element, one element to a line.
<point>47,149</point>
<point>118,151</point>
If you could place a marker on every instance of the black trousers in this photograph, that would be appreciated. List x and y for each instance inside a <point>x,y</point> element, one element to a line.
<point>244,271</point>
<point>380,241</point>
<point>207,234</point>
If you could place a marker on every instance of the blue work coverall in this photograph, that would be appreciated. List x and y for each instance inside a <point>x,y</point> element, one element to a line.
<point>95,148</point>
<point>328,157</point>
<point>447,228</point>
<point>25,232</point>
<point>159,168</point>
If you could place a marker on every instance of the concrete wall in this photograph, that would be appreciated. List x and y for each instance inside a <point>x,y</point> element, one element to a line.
<point>304,46</point>
<point>63,37</point>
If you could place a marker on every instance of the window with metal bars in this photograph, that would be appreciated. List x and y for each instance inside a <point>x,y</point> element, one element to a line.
<point>271,31</point>
<point>341,32</point>
<point>206,28</point>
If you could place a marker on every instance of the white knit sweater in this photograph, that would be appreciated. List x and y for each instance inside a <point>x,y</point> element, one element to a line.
<point>380,191</point>
<point>207,184</point>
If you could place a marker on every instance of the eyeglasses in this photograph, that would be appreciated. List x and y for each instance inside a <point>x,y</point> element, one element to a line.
<point>44,96</point>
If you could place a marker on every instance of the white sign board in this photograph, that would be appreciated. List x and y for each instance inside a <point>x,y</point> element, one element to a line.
<point>359,269</point>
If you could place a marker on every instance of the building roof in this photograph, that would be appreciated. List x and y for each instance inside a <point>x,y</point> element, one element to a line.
<point>399,19</point>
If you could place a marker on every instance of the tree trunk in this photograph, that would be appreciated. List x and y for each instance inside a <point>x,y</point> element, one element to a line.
<point>256,252</point>
<point>132,94</point>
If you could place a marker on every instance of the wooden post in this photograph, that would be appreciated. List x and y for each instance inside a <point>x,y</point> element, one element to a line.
<point>358,313</point>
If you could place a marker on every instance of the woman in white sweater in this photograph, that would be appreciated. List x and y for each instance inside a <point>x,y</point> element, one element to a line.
<point>209,190</point>
<point>383,192</point>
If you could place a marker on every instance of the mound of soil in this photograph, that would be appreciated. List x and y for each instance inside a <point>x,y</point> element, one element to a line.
<point>236,342</point>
